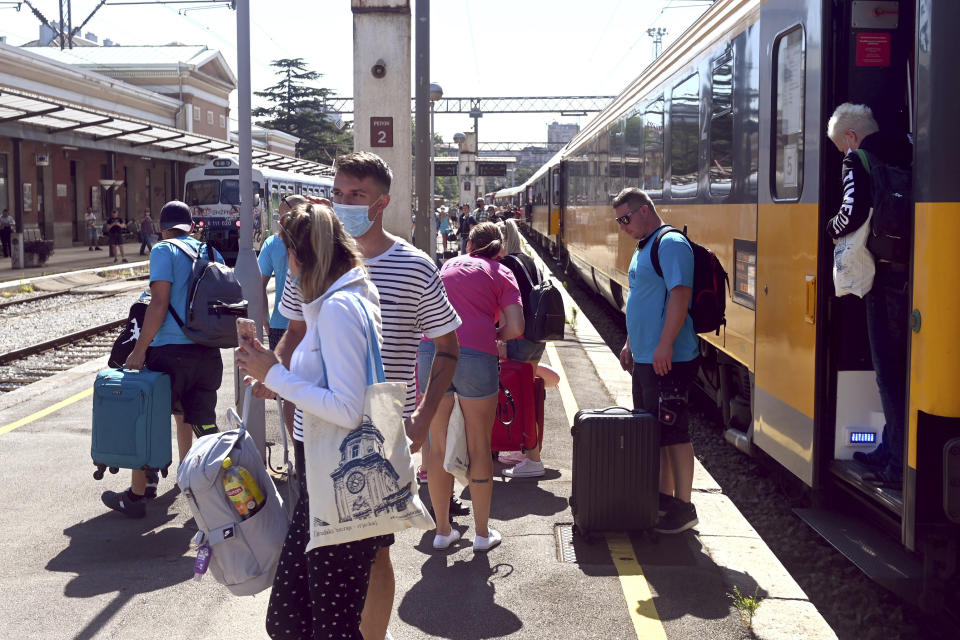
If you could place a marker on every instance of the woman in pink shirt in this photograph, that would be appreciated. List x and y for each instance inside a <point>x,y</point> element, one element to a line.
<point>485,295</point>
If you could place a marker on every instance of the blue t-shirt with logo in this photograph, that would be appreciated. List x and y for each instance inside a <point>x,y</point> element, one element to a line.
<point>273,262</point>
<point>169,264</point>
<point>648,297</point>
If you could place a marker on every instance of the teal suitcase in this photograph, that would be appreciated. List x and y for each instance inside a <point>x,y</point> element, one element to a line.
<point>131,421</point>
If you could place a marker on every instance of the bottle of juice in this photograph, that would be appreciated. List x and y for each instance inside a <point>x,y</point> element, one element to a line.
<point>241,489</point>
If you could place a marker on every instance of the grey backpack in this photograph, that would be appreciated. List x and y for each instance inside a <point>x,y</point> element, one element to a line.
<point>243,553</point>
<point>214,300</point>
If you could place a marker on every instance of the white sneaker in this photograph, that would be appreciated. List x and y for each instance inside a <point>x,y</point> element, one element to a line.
<point>442,542</point>
<point>526,469</point>
<point>485,544</point>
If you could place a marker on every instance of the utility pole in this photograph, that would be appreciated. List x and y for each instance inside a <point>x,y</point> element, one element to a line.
<point>424,130</point>
<point>657,34</point>
<point>247,269</point>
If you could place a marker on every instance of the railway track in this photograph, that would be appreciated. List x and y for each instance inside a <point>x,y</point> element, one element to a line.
<point>23,366</point>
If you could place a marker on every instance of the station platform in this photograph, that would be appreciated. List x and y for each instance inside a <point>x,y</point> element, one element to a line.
<point>65,259</point>
<point>76,570</point>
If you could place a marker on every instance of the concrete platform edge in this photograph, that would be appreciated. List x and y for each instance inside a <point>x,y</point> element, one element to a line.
<point>786,612</point>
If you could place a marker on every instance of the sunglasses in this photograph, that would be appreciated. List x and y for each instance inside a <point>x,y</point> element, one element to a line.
<point>625,218</point>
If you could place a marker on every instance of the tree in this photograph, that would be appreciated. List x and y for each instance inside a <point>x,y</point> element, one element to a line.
<point>299,109</point>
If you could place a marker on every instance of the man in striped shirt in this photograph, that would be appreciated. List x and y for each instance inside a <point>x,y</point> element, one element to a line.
<point>413,303</point>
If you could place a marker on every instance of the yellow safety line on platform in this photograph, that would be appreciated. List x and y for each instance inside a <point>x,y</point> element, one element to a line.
<point>45,412</point>
<point>636,590</point>
<point>643,612</point>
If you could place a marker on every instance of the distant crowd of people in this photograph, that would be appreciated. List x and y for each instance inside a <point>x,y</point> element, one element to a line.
<point>455,223</point>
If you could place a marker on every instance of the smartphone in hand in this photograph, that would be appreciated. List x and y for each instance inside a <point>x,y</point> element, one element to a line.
<point>246,329</point>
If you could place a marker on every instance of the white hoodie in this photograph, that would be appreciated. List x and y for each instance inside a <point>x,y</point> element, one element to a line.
<point>336,337</point>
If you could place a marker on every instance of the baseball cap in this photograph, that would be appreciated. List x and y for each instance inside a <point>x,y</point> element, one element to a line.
<point>176,215</point>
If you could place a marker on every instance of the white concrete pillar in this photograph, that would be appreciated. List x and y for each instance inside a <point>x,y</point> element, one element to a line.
<point>381,98</point>
<point>467,168</point>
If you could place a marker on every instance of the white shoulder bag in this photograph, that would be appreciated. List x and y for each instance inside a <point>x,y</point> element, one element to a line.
<point>361,483</point>
<point>853,265</point>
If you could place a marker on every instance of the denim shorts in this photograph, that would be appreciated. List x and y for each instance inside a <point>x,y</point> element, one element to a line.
<point>477,375</point>
<point>524,350</point>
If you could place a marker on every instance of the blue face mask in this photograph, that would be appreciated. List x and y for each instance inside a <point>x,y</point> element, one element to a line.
<point>355,218</point>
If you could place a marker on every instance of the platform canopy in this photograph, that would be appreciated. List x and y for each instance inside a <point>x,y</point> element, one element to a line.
<point>58,116</point>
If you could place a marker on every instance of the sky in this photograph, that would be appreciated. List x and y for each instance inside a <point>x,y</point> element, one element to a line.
<point>479,48</point>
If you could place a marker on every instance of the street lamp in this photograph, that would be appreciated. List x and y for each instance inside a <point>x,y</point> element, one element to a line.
<point>436,92</point>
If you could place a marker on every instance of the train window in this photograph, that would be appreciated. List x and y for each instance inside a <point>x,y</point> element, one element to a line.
<point>721,129</point>
<point>633,136</point>
<point>230,191</point>
<point>789,67</point>
<point>685,137</point>
<point>653,147</point>
<point>615,174</point>
<point>203,192</point>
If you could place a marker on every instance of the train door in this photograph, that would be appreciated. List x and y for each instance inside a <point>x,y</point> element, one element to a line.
<point>787,235</point>
<point>872,62</point>
<point>554,195</point>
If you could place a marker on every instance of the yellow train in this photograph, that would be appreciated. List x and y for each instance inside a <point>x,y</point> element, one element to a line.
<point>726,131</point>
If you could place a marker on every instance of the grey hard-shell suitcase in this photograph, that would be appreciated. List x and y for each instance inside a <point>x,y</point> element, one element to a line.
<point>616,470</point>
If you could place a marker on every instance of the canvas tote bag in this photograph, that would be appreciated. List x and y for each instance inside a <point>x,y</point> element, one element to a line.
<point>456,459</point>
<point>361,482</point>
<point>853,265</point>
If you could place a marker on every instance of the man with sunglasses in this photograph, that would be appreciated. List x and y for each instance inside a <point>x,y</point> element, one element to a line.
<point>661,350</point>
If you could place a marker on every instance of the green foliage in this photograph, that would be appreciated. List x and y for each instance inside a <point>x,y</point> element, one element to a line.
<point>746,605</point>
<point>300,109</point>
<point>25,288</point>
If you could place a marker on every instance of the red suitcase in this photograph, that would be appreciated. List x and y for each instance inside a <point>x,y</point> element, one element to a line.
<point>519,421</point>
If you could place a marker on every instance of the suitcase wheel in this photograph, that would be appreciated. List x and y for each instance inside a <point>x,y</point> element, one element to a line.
<point>163,472</point>
<point>98,474</point>
<point>114,469</point>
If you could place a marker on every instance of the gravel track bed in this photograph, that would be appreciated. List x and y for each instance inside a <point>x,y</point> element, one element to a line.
<point>23,372</point>
<point>854,606</point>
<point>31,322</point>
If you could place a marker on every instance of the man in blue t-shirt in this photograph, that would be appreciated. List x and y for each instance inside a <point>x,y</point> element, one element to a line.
<point>661,350</point>
<point>273,263</point>
<point>195,370</point>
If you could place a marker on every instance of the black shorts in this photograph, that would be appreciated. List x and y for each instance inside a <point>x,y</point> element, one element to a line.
<point>195,373</point>
<point>115,240</point>
<point>666,397</point>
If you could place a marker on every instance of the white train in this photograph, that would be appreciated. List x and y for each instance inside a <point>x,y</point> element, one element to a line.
<point>213,193</point>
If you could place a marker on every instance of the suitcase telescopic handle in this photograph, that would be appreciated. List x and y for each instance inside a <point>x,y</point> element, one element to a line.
<point>235,419</point>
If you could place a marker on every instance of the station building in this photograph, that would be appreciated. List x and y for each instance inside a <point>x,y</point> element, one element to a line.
<point>111,128</point>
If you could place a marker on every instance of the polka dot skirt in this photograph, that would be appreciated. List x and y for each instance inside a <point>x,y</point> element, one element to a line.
<point>320,594</point>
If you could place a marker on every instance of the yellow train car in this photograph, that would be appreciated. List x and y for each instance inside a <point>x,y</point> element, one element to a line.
<point>726,132</point>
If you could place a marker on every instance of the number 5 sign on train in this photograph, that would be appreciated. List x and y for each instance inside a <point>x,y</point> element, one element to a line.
<point>381,131</point>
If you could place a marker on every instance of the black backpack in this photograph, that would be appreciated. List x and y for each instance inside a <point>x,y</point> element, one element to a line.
<point>127,340</point>
<point>892,196</point>
<point>543,313</point>
<point>708,303</point>
<point>214,300</point>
